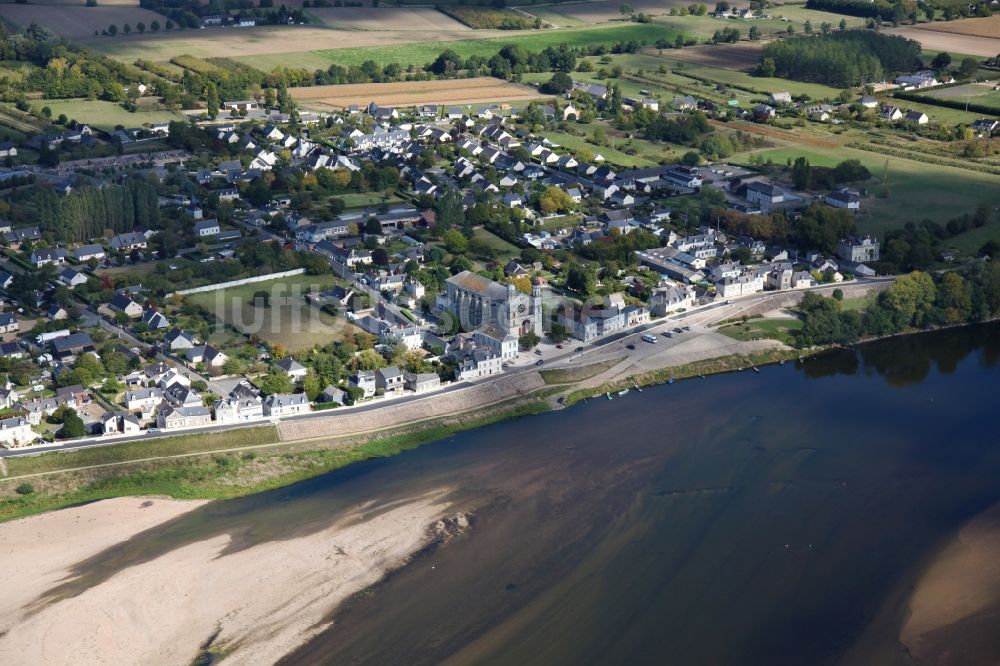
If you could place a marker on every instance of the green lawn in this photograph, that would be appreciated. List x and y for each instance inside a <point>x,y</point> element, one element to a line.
<point>362,199</point>
<point>104,115</point>
<point>506,250</point>
<point>610,154</point>
<point>760,329</point>
<point>287,320</point>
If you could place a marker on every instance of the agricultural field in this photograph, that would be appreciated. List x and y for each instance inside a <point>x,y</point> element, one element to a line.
<point>383,19</point>
<point>105,115</point>
<point>422,53</point>
<point>77,22</point>
<point>286,319</point>
<point>932,38</point>
<point>601,11</point>
<point>740,57</point>
<point>976,27</point>
<point>489,18</point>
<point>411,93</point>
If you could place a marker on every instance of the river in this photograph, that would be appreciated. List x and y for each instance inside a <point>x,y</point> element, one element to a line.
<point>772,518</point>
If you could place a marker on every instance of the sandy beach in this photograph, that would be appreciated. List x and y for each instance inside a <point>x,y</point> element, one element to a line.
<point>961,585</point>
<point>258,603</point>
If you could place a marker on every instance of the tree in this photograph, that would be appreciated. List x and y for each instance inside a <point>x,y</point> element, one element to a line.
<point>808,27</point>
<point>369,359</point>
<point>528,341</point>
<point>127,29</point>
<point>555,200</point>
<point>941,61</point>
<point>154,26</point>
<point>141,27</point>
<point>581,279</point>
<point>560,84</point>
<point>112,30</point>
<point>754,33</point>
<point>625,10</point>
<point>801,173</point>
<point>843,25</point>
<point>311,387</point>
<point>455,242</point>
<point>558,333</point>
<point>73,425</point>
<point>968,68</point>
<point>276,382</point>
<point>212,100</point>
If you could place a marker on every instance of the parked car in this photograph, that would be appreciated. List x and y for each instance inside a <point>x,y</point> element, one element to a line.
<point>578,349</point>
<point>649,337</point>
<point>540,361</point>
<point>630,346</point>
<point>538,352</point>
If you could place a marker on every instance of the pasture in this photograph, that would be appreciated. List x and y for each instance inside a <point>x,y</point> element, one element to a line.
<point>78,22</point>
<point>411,93</point>
<point>104,115</point>
<point>286,318</point>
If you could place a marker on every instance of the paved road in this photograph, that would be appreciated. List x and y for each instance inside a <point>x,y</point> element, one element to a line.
<point>551,356</point>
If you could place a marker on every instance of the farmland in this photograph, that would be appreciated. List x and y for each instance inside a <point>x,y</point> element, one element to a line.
<point>387,19</point>
<point>488,18</point>
<point>410,93</point>
<point>286,319</point>
<point>77,22</point>
<point>975,27</point>
<point>931,38</point>
<point>421,53</point>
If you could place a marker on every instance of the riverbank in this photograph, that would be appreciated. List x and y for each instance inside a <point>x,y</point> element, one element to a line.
<point>193,599</point>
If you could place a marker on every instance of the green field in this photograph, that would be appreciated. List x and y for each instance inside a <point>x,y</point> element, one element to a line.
<point>763,329</point>
<point>610,154</point>
<point>422,53</point>
<point>970,241</point>
<point>287,320</point>
<point>917,190</point>
<point>363,199</point>
<point>104,115</point>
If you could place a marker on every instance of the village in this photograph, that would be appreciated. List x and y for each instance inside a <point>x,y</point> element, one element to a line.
<point>589,251</point>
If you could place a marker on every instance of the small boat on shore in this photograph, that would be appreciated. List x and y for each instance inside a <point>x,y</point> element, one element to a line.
<point>636,387</point>
<point>670,381</point>
<point>756,369</point>
<point>608,395</point>
<point>623,392</point>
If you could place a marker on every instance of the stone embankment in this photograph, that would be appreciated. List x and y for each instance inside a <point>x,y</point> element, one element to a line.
<point>349,422</point>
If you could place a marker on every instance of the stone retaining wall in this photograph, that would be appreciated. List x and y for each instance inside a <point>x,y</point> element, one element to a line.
<point>347,422</point>
<point>791,298</point>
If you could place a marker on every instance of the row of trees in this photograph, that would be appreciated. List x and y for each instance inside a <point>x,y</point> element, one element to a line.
<point>90,212</point>
<point>841,59</point>
<point>917,300</point>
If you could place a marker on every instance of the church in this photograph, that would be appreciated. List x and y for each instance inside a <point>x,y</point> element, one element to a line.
<point>477,301</point>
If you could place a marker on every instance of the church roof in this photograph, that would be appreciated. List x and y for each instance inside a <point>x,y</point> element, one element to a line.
<point>477,284</point>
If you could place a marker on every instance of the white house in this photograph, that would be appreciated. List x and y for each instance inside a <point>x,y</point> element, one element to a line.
<point>16,432</point>
<point>285,404</point>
